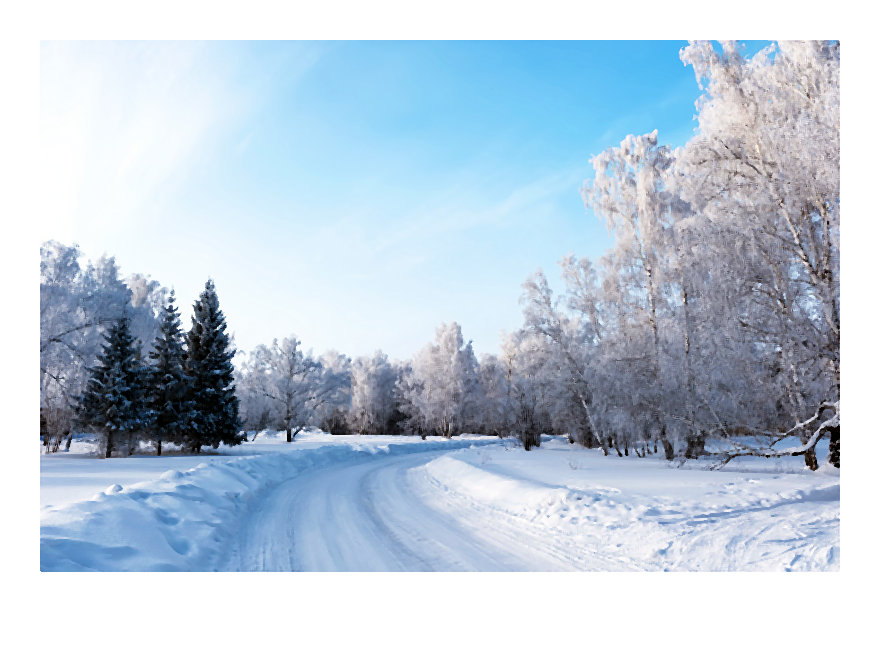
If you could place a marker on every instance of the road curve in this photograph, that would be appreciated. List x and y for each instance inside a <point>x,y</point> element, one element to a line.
<point>381,513</point>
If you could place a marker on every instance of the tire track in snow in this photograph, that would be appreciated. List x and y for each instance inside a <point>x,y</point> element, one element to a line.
<point>384,514</point>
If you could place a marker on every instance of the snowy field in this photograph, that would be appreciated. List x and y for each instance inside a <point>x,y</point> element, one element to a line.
<point>400,503</point>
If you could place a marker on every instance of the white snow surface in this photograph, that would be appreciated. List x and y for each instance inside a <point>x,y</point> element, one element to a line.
<point>400,503</point>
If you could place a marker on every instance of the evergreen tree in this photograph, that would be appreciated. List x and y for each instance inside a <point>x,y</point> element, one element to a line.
<point>113,402</point>
<point>140,394</point>
<point>169,387</point>
<point>208,364</point>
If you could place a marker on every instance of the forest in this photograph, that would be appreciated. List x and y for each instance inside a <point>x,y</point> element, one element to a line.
<point>715,316</point>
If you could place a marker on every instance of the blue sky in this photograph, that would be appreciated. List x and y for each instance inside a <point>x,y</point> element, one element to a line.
<point>357,194</point>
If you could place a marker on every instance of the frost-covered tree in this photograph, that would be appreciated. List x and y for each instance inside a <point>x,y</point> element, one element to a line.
<point>256,409</point>
<point>631,192</point>
<point>572,344</point>
<point>532,380</point>
<point>77,306</point>
<point>443,392</point>
<point>293,383</point>
<point>373,394</point>
<point>63,360</point>
<point>147,307</point>
<point>208,365</point>
<point>113,402</point>
<point>495,380</point>
<point>334,402</point>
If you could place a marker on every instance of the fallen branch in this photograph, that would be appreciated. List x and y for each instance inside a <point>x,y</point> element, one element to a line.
<point>770,452</point>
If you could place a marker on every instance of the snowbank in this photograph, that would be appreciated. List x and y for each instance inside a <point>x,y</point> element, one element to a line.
<point>179,520</point>
<point>609,513</point>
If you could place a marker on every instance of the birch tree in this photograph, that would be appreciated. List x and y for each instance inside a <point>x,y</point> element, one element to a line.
<point>442,392</point>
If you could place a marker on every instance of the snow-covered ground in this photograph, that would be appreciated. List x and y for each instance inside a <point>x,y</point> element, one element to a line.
<point>400,503</point>
<point>76,475</point>
<point>591,512</point>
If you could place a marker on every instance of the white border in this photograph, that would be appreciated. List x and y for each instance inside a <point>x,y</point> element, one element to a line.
<point>416,616</point>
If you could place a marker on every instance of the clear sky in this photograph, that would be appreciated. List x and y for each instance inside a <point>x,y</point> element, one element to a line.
<point>356,194</point>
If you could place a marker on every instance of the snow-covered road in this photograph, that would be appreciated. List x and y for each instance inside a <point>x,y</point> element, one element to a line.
<point>380,513</point>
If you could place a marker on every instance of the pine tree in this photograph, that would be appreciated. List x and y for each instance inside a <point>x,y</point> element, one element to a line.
<point>169,387</point>
<point>208,364</point>
<point>112,402</point>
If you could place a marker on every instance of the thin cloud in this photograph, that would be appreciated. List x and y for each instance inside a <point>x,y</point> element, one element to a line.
<point>124,124</point>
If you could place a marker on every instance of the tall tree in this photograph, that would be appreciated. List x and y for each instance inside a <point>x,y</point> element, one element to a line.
<point>169,387</point>
<point>209,365</point>
<point>112,403</point>
<point>630,193</point>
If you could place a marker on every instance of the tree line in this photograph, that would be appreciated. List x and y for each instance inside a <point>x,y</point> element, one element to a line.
<point>714,316</point>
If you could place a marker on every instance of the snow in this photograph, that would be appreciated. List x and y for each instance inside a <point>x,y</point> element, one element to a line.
<point>400,503</point>
<point>607,513</point>
<point>174,513</point>
<point>75,476</point>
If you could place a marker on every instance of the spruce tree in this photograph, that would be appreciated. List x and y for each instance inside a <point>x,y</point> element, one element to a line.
<point>140,393</point>
<point>113,403</point>
<point>209,365</point>
<point>169,387</point>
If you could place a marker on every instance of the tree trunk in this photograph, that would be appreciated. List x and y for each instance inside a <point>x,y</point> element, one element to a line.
<point>109,444</point>
<point>696,446</point>
<point>810,459</point>
<point>810,455</point>
<point>289,436</point>
<point>159,447</point>
<point>834,447</point>
<point>530,439</point>
<point>668,447</point>
<point>69,439</point>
